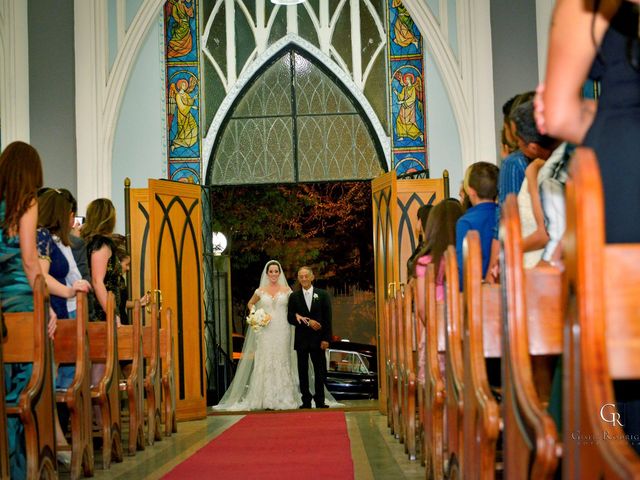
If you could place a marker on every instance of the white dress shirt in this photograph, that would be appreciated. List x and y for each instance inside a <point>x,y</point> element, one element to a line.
<point>308,296</point>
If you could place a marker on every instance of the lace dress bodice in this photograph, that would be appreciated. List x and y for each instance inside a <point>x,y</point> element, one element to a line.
<point>275,337</point>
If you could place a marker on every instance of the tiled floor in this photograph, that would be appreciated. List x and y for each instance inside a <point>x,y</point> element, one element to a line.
<point>376,454</point>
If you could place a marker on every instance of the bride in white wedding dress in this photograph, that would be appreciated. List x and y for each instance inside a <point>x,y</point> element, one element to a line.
<point>267,376</point>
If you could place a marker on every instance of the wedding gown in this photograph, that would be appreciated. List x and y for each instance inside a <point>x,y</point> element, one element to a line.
<point>265,378</point>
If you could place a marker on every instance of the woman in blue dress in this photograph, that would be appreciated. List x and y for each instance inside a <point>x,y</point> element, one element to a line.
<point>54,221</point>
<point>54,217</point>
<point>20,178</point>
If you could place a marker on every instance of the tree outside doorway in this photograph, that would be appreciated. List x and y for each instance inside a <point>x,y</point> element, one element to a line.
<point>327,226</point>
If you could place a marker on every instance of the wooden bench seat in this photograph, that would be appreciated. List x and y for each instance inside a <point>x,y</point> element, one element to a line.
<point>409,377</point>
<point>418,356</point>
<point>393,373</point>
<point>481,341</point>
<point>130,348</point>
<point>454,397</point>
<point>434,378</point>
<point>398,304</point>
<point>151,355</point>
<point>535,308</point>
<point>71,346</point>
<point>602,337</point>
<point>27,342</point>
<point>103,344</point>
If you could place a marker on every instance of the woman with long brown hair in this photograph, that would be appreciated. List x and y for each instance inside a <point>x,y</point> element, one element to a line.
<point>56,259</point>
<point>101,252</point>
<point>20,179</point>
<point>440,232</point>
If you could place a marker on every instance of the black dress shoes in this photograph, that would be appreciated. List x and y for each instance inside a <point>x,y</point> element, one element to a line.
<point>304,405</point>
<point>322,406</point>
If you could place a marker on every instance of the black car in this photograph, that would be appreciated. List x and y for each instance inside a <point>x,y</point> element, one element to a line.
<point>352,370</point>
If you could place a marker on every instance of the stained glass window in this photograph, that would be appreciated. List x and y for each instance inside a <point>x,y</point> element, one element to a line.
<point>294,123</point>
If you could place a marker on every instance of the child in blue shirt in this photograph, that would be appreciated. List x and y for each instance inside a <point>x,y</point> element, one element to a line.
<point>481,186</point>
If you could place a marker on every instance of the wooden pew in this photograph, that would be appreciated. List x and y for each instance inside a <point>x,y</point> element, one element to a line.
<point>400,363</point>
<point>454,397</point>
<point>151,355</point>
<point>418,325</point>
<point>409,390</point>
<point>103,348</point>
<point>534,300</point>
<point>167,380</point>
<point>385,357</point>
<point>481,341</point>
<point>27,342</point>
<point>130,348</point>
<point>71,345</point>
<point>393,367</point>
<point>4,442</point>
<point>388,359</point>
<point>434,379</point>
<point>602,336</point>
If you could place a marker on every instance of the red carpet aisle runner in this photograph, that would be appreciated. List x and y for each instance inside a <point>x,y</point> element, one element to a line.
<point>304,445</point>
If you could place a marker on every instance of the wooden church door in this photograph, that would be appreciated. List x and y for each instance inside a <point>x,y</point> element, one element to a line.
<point>165,222</point>
<point>395,207</point>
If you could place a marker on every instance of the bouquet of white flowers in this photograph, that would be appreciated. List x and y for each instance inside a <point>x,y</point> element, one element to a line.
<point>258,319</point>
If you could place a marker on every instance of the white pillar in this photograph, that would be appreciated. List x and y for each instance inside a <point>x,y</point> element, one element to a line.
<point>14,71</point>
<point>94,177</point>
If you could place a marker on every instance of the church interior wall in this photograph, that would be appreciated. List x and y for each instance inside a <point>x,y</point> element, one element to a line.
<point>515,52</point>
<point>51,89</point>
<point>139,150</point>
<point>443,134</point>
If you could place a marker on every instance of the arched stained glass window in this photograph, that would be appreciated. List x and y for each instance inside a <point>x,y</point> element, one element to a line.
<point>294,123</point>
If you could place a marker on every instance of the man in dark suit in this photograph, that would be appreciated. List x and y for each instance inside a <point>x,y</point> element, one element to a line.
<point>310,312</point>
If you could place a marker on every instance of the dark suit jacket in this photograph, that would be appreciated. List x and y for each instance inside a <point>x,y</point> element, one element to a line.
<point>306,337</point>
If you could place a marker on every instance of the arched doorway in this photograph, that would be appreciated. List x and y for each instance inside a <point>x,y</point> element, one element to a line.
<point>295,122</point>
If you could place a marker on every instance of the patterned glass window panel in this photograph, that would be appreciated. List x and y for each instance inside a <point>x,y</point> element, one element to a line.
<point>366,162</point>
<point>217,41</point>
<point>376,81</point>
<point>341,39</point>
<point>245,41</point>
<point>214,91</point>
<point>270,94</point>
<point>335,147</point>
<point>214,94</point>
<point>316,93</point>
<point>375,89</point>
<point>279,28</point>
<point>258,150</point>
<point>306,28</point>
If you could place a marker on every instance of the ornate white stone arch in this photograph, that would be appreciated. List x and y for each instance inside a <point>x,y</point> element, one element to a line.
<point>274,50</point>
